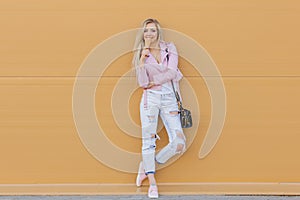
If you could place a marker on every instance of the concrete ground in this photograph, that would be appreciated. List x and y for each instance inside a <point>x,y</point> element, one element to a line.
<point>142,197</point>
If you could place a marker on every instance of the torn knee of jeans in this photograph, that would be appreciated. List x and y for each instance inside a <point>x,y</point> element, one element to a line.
<point>180,142</point>
<point>180,148</point>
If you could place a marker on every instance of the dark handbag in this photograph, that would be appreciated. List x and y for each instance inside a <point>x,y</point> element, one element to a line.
<point>185,114</point>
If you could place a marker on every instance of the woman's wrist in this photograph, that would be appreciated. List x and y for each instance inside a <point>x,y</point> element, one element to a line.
<point>142,63</point>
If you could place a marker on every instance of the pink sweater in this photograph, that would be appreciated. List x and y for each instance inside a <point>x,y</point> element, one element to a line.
<point>157,73</point>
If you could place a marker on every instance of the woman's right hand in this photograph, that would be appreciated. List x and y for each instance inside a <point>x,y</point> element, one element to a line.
<point>145,54</point>
<point>145,51</point>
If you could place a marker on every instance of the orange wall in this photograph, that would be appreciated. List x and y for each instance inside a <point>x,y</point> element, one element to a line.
<point>255,45</point>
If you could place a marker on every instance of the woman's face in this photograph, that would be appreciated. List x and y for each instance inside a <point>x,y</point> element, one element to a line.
<point>150,32</point>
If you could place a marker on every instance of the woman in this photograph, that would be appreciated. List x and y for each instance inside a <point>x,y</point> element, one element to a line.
<point>156,66</point>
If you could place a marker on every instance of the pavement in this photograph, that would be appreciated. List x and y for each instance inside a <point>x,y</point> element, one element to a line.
<point>142,197</point>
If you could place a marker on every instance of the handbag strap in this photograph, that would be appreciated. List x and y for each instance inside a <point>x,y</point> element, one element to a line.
<point>177,96</point>
<point>175,92</point>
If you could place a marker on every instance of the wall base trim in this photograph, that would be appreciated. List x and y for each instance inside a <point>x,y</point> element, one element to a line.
<point>164,188</point>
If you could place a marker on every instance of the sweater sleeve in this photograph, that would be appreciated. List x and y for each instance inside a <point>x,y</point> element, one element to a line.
<point>142,76</point>
<point>171,72</point>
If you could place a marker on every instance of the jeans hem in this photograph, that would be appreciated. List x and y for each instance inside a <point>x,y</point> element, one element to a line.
<point>151,172</point>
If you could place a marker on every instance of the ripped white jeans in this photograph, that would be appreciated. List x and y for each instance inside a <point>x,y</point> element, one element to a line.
<point>164,105</point>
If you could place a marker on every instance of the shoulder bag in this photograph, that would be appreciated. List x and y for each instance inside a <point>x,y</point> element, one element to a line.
<point>185,114</point>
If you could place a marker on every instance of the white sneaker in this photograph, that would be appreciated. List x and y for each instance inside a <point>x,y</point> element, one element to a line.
<point>141,176</point>
<point>153,192</point>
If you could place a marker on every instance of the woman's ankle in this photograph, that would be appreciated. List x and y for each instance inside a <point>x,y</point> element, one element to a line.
<point>151,179</point>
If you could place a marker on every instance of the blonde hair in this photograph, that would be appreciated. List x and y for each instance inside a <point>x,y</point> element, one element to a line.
<point>140,42</point>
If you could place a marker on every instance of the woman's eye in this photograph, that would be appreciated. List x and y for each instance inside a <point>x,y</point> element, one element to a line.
<point>151,30</point>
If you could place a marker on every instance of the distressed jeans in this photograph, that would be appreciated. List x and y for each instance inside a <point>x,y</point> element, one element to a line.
<point>163,105</point>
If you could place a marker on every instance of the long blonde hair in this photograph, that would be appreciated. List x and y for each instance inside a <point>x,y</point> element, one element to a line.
<point>140,42</point>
